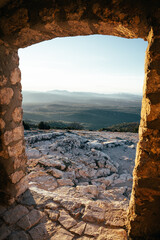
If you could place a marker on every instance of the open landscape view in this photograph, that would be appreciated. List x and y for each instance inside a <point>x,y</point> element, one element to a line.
<point>88,83</point>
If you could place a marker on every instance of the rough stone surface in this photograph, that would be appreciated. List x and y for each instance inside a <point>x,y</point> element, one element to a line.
<point>92,230</point>
<point>15,76</point>
<point>30,219</point>
<point>43,231</point>
<point>4,232</point>
<point>109,234</point>
<point>14,135</point>
<point>17,114</point>
<point>15,177</point>
<point>6,95</point>
<point>66,220</point>
<point>14,214</point>
<point>62,234</point>
<point>79,228</point>
<point>22,24</point>
<point>19,236</point>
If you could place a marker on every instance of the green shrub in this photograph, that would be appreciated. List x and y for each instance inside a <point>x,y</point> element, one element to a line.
<point>75,126</point>
<point>44,126</point>
<point>26,126</point>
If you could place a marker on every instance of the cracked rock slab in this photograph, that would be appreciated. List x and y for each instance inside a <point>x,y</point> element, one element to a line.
<point>66,220</point>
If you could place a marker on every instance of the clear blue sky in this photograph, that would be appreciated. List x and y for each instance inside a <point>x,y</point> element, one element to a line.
<point>94,63</point>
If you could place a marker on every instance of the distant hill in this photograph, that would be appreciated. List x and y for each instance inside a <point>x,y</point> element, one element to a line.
<point>93,110</point>
<point>59,96</point>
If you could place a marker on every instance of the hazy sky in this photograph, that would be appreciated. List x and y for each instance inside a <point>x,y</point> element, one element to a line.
<point>94,63</point>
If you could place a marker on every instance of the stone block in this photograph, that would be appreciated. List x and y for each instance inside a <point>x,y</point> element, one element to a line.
<point>94,214</point>
<point>53,214</point>
<point>14,214</point>
<point>17,114</point>
<point>62,234</point>
<point>15,177</point>
<point>43,231</point>
<point>15,76</point>
<point>2,123</point>
<point>4,232</point>
<point>14,135</point>
<point>92,230</point>
<point>116,218</point>
<point>19,236</point>
<point>30,219</point>
<point>6,95</point>
<point>79,228</point>
<point>66,220</point>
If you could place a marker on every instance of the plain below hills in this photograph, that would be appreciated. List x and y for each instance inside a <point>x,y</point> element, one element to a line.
<point>92,110</point>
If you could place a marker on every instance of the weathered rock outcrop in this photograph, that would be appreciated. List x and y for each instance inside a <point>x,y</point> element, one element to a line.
<point>76,191</point>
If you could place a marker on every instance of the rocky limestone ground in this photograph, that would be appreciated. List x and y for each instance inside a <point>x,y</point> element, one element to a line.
<point>79,187</point>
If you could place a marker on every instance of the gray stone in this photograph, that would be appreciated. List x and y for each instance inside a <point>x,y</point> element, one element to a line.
<point>4,232</point>
<point>19,236</point>
<point>30,219</point>
<point>43,231</point>
<point>14,214</point>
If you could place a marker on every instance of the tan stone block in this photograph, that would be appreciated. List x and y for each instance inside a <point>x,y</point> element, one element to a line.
<point>6,95</point>
<point>15,76</point>
<point>2,123</point>
<point>116,218</point>
<point>21,186</point>
<point>14,135</point>
<point>92,230</point>
<point>53,214</point>
<point>136,19</point>
<point>66,220</point>
<point>151,82</point>
<point>17,114</point>
<point>79,228</point>
<point>16,149</point>
<point>149,112</point>
<point>3,81</point>
<point>20,161</point>
<point>109,234</point>
<point>62,234</point>
<point>94,214</point>
<point>15,177</point>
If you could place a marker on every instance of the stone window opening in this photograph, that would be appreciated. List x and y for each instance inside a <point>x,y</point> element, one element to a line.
<point>23,24</point>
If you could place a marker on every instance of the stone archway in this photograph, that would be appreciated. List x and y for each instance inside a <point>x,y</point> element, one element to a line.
<point>24,23</point>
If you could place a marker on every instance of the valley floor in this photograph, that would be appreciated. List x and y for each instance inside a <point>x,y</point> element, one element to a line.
<point>79,187</point>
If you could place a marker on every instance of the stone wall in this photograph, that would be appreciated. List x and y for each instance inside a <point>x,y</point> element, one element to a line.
<point>144,212</point>
<point>23,23</point>
<point>12,154</point>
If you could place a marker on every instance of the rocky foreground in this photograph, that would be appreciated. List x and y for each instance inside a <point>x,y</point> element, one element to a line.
<point>79,187</point>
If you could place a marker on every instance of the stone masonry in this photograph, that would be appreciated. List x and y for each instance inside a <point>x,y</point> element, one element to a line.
<point>12,154</point>
<point>23,23</point>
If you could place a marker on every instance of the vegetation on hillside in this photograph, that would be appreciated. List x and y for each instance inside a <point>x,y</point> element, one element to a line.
<point>123,127</point>
<point>53,125</point>
<point>91,111</point>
